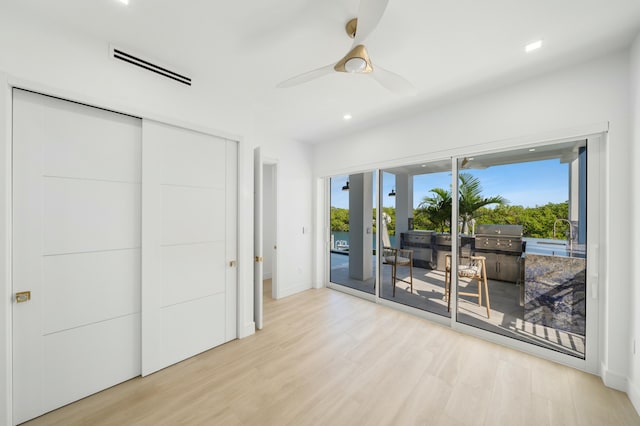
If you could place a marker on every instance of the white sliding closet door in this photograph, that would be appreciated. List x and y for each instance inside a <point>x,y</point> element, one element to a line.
<point>189,202</point>
<point>76,248</point>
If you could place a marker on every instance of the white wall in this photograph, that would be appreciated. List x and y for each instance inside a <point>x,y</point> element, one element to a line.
<point>575,97</point>
<point>294,204</point>
<point>50,60</point>
<point>634,365</point>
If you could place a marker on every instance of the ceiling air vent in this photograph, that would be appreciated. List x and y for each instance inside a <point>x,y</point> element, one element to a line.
<point>121,55</point>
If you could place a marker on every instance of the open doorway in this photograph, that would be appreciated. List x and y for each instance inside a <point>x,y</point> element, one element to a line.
<point>265,234</point>
<point>269,240</point>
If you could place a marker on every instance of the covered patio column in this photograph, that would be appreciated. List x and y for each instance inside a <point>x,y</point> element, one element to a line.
<point>361,226</point>
<point>404,204</point>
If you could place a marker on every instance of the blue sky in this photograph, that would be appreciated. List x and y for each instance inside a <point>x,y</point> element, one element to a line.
<point>527,184</point>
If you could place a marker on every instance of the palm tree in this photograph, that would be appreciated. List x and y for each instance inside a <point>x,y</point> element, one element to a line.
<point>438,207</point>
<point>470,199</point>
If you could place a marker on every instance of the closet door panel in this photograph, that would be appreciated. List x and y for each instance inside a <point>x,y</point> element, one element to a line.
<point>187,232</point>
<point>191,328</point>
<point>76,248</point>
<point>103,145</point>
<point>196,267</point>
<point>85,288</point>
<point>194,164</point>
<point>192,215</point>
<point>75,212</point>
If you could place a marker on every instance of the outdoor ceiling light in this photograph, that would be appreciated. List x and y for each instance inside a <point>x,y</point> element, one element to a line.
<point>346,187</point>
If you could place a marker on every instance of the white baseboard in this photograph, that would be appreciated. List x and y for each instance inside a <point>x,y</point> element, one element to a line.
<point>288,291</point>
<point>613,380</point>
<point>319,284</point>
<point>248,330</point>
<point>634,395</point>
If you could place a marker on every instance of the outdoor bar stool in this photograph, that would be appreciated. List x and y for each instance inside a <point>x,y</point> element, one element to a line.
<point>476,270</point>
<point>398,257</point>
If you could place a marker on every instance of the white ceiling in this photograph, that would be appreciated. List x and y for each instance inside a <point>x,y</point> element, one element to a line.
<point>445,48</point>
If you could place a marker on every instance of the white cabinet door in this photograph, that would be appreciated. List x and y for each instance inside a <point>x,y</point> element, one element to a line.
<point>189,227</point>
<point>76,248</point>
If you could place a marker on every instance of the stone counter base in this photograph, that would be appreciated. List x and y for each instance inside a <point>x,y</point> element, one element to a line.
<point>555,292</point>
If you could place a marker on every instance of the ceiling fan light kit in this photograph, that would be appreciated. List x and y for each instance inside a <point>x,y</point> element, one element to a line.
<point>357,61</point>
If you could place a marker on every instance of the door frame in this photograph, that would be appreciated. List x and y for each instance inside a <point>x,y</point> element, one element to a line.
<point>8,82</point>
<point>260,163</point>
<point>6,236</point>
<point>258,236</point>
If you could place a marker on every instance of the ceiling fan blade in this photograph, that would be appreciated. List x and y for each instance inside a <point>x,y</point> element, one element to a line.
<point>307,76</point>
<point>369,16</point>
<point>392,81</point>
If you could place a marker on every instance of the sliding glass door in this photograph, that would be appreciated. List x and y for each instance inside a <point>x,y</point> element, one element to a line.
<point>502,240</point>
<point>352,224</point>
<point>415,235</point>
<point>522,259</point>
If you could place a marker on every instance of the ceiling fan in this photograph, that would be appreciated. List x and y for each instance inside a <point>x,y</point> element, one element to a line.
<point>357,60</point>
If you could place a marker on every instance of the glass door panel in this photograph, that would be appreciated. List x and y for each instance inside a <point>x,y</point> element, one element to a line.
<point>522,236</point>
<point>352,223</point>
<point>415,235</point>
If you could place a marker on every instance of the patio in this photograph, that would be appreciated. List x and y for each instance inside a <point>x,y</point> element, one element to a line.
<point>507,316</point>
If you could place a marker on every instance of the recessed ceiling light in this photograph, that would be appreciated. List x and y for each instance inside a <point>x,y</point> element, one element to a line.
<point>533,46</point>
<point>124,2</point>
<point>347,117</point>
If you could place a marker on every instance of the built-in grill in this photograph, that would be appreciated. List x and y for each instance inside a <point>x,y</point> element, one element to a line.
<point>421,244</point>
<point>443,248</point>
<point>507,238</point>
<point>418,238</point>
<point>443,240</point>
<point>502,246</point>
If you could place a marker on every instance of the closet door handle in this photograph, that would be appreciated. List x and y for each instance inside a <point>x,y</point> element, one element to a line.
<point>23,296</point>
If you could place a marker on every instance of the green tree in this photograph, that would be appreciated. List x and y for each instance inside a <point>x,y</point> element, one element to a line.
<point>339,219</point>
<point>437,208</point>
<point>537,222</point>
<point>421,220</point>
<point>471,199</point>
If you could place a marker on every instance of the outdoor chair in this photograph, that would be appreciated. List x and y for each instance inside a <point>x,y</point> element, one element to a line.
<point>398,257</point>
<point>476,269</point>
<point>395,256</point>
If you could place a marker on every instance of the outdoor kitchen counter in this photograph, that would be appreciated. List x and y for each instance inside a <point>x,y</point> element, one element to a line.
<point>550,247</point>
<point>554,285</point>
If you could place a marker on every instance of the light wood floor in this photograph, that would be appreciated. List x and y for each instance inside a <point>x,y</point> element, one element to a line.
<point>507,316</point>
<point>328,358</point>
